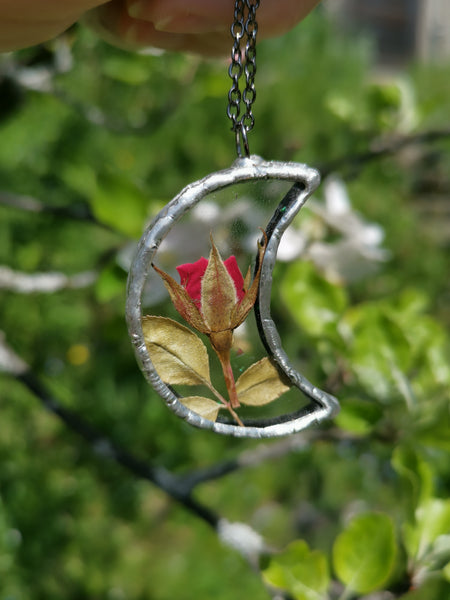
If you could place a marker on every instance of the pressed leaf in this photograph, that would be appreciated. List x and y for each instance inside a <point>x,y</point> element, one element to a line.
<point>179,356</point>
<point>242,309</point>
<point>205,407</point>
<point>182,301</point>
<point>260,384</point>
<point>218,293</point>
<point>364,553</point>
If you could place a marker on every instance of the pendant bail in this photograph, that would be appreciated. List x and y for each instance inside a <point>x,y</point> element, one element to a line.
<point>244,27</point>
<point>242,140</point>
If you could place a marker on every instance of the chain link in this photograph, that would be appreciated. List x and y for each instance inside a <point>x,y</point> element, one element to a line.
<point>244,27</point>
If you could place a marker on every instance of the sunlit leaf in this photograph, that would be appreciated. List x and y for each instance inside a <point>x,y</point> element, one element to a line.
<point>314,303</point>
<point>379,351</point>
<point>300,571</point>
<point>364,553</point>
<point>446,572</point>
<point>205,407</point>
<point>179,356</point>
<point>432,520</point>
<point>260,384</point>
<point>119,203</point>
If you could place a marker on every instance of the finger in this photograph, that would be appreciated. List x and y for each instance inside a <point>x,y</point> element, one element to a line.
<point>199,26</point>
<point>113,23</point>
<point>27,22</point>
<point>203,16</point>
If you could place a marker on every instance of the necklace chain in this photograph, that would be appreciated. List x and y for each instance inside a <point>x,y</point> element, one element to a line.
<point>244,27</point>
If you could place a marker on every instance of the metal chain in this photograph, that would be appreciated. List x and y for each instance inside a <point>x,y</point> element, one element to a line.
<point>243,27</point>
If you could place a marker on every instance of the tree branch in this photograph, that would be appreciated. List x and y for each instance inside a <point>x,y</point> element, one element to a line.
<point>78,212</point>
<point>380,149</point>
<point>251,458</point>
<point>100,444</point>
<point>28,283</point>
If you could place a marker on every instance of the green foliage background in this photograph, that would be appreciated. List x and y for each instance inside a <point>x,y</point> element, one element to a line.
<point>115,137</point>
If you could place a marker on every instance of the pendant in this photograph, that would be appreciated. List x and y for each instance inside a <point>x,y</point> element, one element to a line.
<point>171,353</point>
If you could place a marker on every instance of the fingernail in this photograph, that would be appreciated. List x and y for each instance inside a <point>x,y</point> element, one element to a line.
<point>137,8</point>
<point>131,36</point>
<point>187,24</point>
<point>163,24</point>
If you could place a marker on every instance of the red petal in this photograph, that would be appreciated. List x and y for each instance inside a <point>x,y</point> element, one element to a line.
<point>236,275</point>
<point>191,277</point>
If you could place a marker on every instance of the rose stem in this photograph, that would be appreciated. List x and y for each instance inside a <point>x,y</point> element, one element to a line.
<point>226,404</point>
<point>225,363</point>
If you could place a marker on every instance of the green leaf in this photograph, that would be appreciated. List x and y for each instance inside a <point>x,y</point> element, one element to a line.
<point>260,384</point>
<point>446,572</point>
<point>205,407</point>
<point>434,427</point>
<point>114,199</point>
<point>132,72</point>
<point>300,571</point>
<point>435,588</point>
<point>117,202</point>
<point>315,303</point>
<point>379,351</point>
<point>110,284</point>
<point>357,416</point>
<point>364,553</point>
<point>416,475</point>
<point>432,520</point>
<point>179,356</point>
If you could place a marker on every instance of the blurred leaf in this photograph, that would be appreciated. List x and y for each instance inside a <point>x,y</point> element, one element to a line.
<point>435,433</point>
<point>434,588</point>
<point>300,571</point>
<point>205,407</point>
<point>364,553</point>
<point>114,199</point>
<point>260,384</point>
<point>416,473</point>
<point>110,284</point>
<point>315,303</point>
<point>117,202</point>
<point>432,520</point>
<point>379,352</point>
<point>179,356</point>
<point>129,70</point>
<point>358,416</point>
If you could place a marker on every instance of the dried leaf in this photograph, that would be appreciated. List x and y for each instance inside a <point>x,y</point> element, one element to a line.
<point>182,302</point>
<point>242,309</point>
<point>218,293</point>
<point>260,384</point>
<point>179,356</point>
<point>205,407</point>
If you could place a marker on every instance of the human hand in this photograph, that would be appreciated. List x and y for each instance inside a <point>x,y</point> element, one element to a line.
<point>24,23</point>
<point>199,26</point>
<point>196,26</point>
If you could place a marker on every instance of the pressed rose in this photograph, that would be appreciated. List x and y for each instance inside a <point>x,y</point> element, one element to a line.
<point>191,275</point>
<point>214,298</point>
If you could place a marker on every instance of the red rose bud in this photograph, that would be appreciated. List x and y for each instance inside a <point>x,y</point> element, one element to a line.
<point>214,298</point>
<point>191,275</point>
